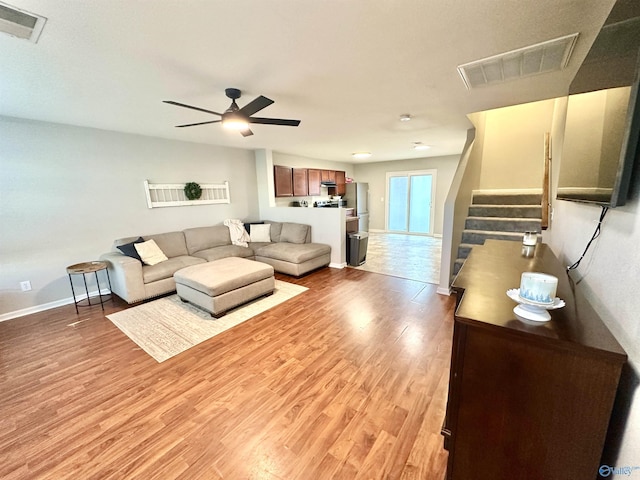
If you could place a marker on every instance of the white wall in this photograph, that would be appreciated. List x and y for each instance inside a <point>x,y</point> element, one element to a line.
<point>68,192</point>
<point>513,151</point>
<point>375,174</point>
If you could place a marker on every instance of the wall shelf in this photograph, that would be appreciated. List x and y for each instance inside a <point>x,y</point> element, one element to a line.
<point>172,194</point>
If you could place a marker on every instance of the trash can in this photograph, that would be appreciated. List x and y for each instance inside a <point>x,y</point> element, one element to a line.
<point>357,248</point>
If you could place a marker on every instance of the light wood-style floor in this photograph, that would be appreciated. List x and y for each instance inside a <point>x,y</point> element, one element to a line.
<point>415,257</point>
<point>347,380</point>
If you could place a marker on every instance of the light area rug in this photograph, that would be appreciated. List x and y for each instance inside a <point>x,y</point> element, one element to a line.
<point>166,327</point>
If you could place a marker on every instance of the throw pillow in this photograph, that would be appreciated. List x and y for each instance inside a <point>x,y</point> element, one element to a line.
<point>294,233</point>
<point>150,252</point>
<point>247,225</point>
<point>129,250</point>
<point>260,233</point>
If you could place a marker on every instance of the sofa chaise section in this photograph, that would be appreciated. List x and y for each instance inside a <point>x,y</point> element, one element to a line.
<point>291,250</point>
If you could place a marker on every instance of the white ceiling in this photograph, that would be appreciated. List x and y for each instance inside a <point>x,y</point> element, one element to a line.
<point>346,68</point>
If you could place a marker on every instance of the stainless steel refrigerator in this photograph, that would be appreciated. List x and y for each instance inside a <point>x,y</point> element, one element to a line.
<point>357,196</point>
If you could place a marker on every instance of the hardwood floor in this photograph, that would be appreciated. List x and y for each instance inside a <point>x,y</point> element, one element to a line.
<point>347,380</point>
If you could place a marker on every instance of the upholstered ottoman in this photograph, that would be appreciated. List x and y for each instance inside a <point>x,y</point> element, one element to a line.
<point>221,285</point>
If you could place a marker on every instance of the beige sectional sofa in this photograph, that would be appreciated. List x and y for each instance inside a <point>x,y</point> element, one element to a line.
<point>290,251</point>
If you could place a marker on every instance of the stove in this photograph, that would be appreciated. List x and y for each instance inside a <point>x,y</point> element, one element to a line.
<point>331,203</point>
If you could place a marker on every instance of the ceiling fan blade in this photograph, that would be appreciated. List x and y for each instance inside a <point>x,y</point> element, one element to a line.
<point>256,105</point>
<point>246,133</point>
<point>191,107</point>
<point>274,121</point>
<point>200,123</point>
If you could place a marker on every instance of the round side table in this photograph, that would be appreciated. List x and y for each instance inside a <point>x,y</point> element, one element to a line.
<point>84,269</point>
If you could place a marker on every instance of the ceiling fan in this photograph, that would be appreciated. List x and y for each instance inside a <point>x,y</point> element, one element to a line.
<point>237,118</point>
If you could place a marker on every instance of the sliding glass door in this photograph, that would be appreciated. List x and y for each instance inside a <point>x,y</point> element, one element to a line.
<point>410,198</point>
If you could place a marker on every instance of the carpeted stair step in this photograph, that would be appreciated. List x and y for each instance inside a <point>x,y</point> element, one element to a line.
<point>507,199</point>
<point>506,211</point>
<point>458,265</point>
<point>502,224</point>
<point>464,249</point>
<point>477,237</point>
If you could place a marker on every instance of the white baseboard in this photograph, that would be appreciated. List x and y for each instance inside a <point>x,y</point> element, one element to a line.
<point>47,306</point>
<point>444,291</point>
<point>507,191</point>
<point>338,265</point>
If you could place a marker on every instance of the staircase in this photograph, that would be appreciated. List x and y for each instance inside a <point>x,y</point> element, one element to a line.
<point>498,216</point>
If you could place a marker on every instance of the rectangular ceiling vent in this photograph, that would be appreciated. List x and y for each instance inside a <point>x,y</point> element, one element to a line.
<point>20,24</point>
<point>545,57</point>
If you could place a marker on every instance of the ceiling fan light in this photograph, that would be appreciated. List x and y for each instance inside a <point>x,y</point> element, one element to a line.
<point>233,121</point>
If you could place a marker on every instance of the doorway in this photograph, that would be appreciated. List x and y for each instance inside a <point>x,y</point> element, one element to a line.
<point>410,202</point>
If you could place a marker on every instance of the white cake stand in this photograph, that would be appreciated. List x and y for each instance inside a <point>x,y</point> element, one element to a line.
<point>534,311</point>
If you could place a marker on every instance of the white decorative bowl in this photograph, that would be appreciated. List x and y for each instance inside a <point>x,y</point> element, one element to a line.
<point>538,288</point>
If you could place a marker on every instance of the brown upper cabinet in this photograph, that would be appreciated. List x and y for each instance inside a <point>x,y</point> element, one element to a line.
<point>328,175</point>
<point>300,182</point>
<point>341,181</point>
<point>314,178</point>
<point>283,177</point>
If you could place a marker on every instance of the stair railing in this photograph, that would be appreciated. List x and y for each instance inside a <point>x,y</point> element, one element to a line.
<point>546,190</point>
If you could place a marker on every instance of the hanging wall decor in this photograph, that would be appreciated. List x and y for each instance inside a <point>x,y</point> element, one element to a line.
<point>179,194</point>
<point>192,191</point>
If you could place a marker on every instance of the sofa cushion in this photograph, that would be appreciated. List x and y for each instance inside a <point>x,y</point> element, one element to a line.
<point>260,233</point>
<point>276,228</point>
<point>166,269</point>
<point>247,225</point>
<point>129,250</point>
<point>150,253</point>
<point>203,238</point>
<point>171,243</point>
<point>297,253</point>
<point>255,246</point>
<point>217,253</point>
<point>294,232</point>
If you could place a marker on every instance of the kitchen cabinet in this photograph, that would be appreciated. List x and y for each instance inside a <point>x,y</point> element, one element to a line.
<point>300,182</point>
<point>314,177</point>
<point>283,178</point>
<point>341,188</point>
<point>328,175</point>
<point>527,400</point>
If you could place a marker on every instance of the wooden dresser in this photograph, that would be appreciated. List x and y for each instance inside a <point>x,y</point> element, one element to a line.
<point>526,400</point>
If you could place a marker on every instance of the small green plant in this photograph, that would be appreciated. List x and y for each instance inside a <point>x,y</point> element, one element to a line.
<point>192,190</point>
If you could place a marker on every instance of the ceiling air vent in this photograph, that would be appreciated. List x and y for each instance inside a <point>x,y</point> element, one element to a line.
<point>544,57</point>
<point>20,24</point>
